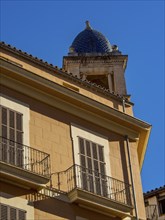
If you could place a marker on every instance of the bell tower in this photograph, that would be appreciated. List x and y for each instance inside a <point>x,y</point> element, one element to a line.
<point>92,57</point>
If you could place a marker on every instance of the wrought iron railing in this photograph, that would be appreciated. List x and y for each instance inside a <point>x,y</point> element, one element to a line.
<point>93,182</point>
<point>151,212</point>
<point>24,157</point>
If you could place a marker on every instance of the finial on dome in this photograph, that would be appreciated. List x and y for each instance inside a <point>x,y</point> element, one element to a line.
<point>71,49</point>
<point>88,25</point>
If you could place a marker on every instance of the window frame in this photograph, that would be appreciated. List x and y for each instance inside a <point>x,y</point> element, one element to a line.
<point>9,210</point>
<point>95,175</point>
<point>22,108</point>
<point>18,202</point>
<point>78,131</point>
<point>160,199</point>
<point>11,132</point>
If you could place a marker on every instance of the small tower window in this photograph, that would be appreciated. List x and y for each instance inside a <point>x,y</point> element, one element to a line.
<point>112,82</point>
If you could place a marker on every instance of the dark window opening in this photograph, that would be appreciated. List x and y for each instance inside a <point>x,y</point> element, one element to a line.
<point>162,206</point>
<point>113,82</point>
<point>101,80</point>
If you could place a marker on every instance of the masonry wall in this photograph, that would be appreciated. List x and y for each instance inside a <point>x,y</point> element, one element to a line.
<point>50,132</point>
<point>99,65</point>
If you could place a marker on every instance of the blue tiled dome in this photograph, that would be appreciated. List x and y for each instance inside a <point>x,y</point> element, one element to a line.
<point>90,41</point>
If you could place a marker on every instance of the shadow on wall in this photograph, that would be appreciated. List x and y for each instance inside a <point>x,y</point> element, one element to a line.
<point>10,191</point>
<point>53,208</point>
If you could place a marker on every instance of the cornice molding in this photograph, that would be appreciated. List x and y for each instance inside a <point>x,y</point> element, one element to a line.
<point>61,73</point>
<point>42,83</point>
<point>107,57</point>
<point>97,62</point>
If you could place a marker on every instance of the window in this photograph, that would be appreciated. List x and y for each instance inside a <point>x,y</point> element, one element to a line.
<point>91,156</point>
<point>101,80</point>
<point>11,213</point>
<point>11,128</point>
<point>112,81</point>
<point>93,173</point>
<point>162,206</point>
<point>146,203</point>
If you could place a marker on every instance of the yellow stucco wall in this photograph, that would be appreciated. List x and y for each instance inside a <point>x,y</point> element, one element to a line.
<point>50,132</point>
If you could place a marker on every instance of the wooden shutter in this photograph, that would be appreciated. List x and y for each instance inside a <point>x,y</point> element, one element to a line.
<point>93,167</point>
<point>21,215</point>
<point>11,213</point>
<point>3,212</point>
<point>12,136</point>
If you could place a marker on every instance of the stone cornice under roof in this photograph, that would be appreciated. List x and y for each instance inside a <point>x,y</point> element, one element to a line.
<point>102,57</point>
<point>65,74</point>
<point>154,191</point>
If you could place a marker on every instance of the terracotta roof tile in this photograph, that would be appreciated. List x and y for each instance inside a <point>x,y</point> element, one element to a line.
<point>152,191</point>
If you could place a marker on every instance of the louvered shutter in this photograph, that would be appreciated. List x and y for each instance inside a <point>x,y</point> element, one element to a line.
<point>3,212</point>
<point>21,215</point>
<point>93,173</point>
<point>11,213</point>
<point>12,136</point>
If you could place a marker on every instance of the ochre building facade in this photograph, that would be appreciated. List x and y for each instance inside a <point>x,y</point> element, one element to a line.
<point>155,203</point>
<point>70,146</point>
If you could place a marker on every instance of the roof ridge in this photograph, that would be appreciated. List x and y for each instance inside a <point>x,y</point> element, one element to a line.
<point>153,190</point>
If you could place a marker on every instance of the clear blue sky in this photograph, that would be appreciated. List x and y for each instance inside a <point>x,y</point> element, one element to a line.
<point>46,29</point>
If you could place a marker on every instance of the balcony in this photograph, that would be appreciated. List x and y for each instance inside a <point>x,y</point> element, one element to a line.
<point>151,212</point>
<point>23,165</point>
<point>94,191</point>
